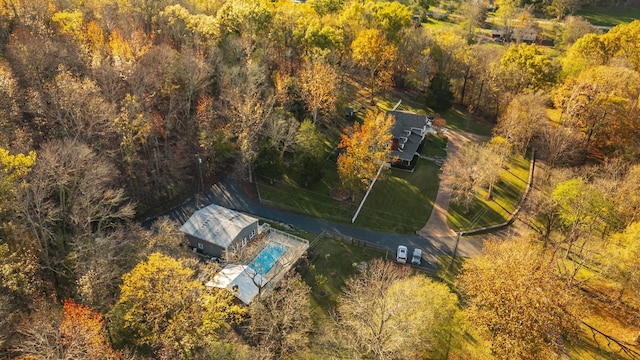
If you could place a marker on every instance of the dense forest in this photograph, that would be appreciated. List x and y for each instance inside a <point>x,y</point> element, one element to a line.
<point>112,111</point>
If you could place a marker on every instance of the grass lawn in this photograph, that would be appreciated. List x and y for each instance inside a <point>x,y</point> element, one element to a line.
<point>398,193</point>
<point>506,196</point>
<point>457,119</point>
<point>402,201</point>
<point>333,262</point>
<point>435,146</point>
<point>314,202</point>
<point>609,16</point>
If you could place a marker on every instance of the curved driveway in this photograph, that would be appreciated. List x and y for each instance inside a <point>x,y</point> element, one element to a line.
<point>435,238</point>
<point>227,193</point>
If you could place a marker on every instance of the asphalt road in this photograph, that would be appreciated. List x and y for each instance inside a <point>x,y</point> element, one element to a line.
<point>227,193</point>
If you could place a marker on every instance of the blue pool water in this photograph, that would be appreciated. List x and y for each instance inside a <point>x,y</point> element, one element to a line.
<point>267,257</point>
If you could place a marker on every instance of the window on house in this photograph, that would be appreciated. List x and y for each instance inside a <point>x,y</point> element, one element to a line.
<point>200,246</point>
<point>253,233</point>
<point>244,242</point>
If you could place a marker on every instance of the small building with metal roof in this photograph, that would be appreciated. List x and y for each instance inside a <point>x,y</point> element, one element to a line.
<point>215,230</point>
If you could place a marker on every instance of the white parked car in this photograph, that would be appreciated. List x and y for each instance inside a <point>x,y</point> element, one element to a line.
<point>401,256</point>
<point>417,256</point>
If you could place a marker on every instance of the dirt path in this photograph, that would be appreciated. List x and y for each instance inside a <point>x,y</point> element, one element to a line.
<point>437,224</point>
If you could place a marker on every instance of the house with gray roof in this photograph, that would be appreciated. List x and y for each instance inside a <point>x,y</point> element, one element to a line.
<point>215,230</point>
<point>408,133</point>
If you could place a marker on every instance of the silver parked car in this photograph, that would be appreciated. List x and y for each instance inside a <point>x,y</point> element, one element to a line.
<point>417,256</point>
<point>401,256</point>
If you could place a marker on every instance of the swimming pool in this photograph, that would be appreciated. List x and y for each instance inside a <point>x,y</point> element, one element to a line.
<point>267,257</point>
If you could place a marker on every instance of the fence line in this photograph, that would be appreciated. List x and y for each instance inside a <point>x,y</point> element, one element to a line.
<point>512,217</point>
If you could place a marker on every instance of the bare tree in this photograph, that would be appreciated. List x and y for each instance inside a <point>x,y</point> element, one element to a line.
<point>386,313</point>
<point>249,104</point>
<point>524,117</point>
<point>282,129</point>
<point>470,169</point>
<point>280,322</point>
<point>318,81</point>
<point>71,194</point>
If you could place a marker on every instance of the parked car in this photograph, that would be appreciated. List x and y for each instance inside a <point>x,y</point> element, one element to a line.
<point>417,256</point>
<point>401,256</point>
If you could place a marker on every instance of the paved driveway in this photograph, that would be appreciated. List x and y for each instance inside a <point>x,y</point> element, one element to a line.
<point>227,193</point>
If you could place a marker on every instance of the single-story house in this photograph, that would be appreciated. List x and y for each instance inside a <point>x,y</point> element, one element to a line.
<point>215,230</point>
<point>242,280</point>
<point>408,133</point>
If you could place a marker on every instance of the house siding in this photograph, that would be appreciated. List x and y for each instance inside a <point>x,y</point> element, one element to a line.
<point>212,249</point>
<point>246,232</point>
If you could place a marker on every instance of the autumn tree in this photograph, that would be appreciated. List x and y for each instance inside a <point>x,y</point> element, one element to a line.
<point>622,43</point>
<point>373,53</point>
<point>70,198</point>
<point>83,332</point>
<point>599,102</point>
<point>281,129</point>
<point>280,321</point>
<point>469,170</point>
<point>318,82</point>
<point>527,66</point>
<point>385,312</point>
<point>620,260</point>
<point>79,111</point>
<point>523,118</point>
<point>76,332</point>
<point>627,196</point>
<point>163,308</point>
<point>515,297</point>
<point>586,217</point>
<point>20,287</point>
<point>558,146</point>
<point>10,116</point>
<point>366,148</point>
<point>250,103</point>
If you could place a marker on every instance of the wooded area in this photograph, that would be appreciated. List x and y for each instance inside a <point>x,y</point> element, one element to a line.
<point>115,110</point>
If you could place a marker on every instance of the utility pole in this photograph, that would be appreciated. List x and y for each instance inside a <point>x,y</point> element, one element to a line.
<point>201,188</point>
<point>367,194</point>
<point>455,249</point>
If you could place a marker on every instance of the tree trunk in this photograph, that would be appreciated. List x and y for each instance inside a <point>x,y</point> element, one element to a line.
<point>490,191</point>
<point>464,85</point>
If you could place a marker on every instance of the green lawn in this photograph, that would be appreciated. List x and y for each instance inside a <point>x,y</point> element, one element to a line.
<point>609,16</point>
<point>395,195</point>
<point>333,262</point>
<point>314,202</point>
<point>457,119</point>
<point>435,146</point>
<point>505,199</point>
<point>402,201</point>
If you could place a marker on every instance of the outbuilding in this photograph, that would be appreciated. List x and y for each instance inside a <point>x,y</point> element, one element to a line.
<point>216,230</point>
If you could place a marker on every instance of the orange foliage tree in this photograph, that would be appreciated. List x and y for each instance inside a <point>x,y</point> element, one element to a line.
<point>82,333</point>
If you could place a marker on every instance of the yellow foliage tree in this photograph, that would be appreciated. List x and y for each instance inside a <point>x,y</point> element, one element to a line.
<point>169,311</point>
<point>366,148</point>
<point>374,54</point>
<point>13,168</point>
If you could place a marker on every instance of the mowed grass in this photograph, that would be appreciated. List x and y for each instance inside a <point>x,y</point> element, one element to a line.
<point>435,146</point>
<point>333,261</point>
<point>609,16</point>
<point>505,198</point>
<point>315,202</point>
<point>459,120</point>
<point>401,202</point>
